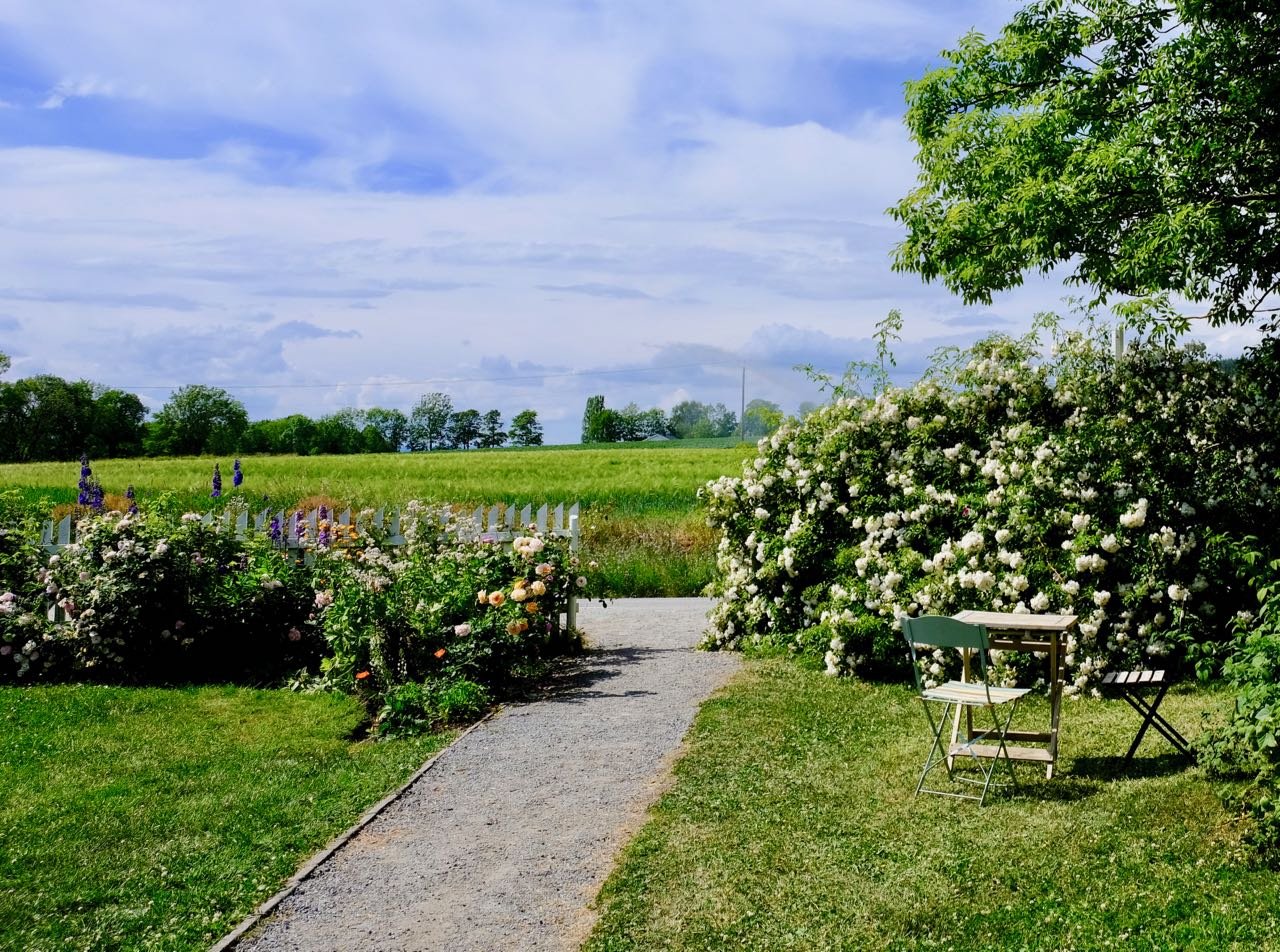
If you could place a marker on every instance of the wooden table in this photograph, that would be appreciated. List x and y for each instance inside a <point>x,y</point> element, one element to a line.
<point>1007,631</point>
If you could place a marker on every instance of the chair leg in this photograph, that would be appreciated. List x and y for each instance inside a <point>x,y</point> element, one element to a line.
<point>1152,718</point>
<point>1001,750</point>
<point>935,751</point>
<point>940,754</point>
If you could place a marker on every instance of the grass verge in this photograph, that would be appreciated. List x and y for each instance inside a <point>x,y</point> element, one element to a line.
<point>793,825</point>
<point>158,818</point>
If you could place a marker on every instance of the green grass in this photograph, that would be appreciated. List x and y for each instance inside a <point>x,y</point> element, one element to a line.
<point>640,479</point>
<point>158,818</point>
<point>793,825</point>
<point>641,518</point>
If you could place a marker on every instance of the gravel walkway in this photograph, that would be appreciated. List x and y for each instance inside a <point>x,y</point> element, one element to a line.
<point>506,839</point>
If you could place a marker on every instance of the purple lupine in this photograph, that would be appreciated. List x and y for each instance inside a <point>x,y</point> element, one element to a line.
<point>83,485</point>
<point>274,531</point>
<point>237,475</point>
<point>133,504</point>
<point>97,498</point>
<point>217,482</point>
<point>298,523</point>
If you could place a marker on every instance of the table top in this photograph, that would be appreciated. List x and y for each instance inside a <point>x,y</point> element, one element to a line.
<point>1013,621</point>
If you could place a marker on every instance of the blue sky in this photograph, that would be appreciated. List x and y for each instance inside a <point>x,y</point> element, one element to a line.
<point>318,205</point>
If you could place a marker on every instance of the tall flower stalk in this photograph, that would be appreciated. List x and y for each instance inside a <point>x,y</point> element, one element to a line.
<point>217,483</point>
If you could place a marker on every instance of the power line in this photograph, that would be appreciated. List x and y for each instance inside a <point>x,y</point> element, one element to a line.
<point>430,381</point>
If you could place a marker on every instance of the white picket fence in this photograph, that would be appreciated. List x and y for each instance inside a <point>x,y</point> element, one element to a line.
<point>498,523</point>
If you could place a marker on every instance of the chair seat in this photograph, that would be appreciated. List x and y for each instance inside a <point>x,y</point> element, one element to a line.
<point>972,692</point>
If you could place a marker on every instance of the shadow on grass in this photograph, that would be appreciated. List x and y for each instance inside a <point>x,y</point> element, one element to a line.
<point>1117,768</point>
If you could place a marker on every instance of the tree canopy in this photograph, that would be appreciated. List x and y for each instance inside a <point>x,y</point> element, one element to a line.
<point>1134,140</point>
<point>197,419</point>
<point>525,429</point>
<point>429,421</point>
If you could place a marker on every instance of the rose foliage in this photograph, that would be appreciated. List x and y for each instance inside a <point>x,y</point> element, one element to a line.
<point>1006,480</point>
<point>157,598</point>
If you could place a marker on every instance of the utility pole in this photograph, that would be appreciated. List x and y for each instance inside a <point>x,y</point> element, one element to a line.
<point>742,415</point>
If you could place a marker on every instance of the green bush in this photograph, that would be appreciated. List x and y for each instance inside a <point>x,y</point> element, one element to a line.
<point>1247,747</point>
<point>462,606</point>
<point>149,598</point>
<point>415,708</point>
<point>1008,480</point>
<point>160,597</point>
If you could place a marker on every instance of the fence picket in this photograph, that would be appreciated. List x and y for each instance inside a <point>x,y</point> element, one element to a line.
<point>499,522</point>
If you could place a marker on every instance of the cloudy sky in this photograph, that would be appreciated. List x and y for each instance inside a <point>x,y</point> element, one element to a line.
<point>318,204</point>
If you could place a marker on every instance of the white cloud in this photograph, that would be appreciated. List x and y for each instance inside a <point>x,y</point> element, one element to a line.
<point>487,198</point>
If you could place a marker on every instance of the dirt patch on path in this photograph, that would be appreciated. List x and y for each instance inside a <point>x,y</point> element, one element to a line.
<point>504,842</point>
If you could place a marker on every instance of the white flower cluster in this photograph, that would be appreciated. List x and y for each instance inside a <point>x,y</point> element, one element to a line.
<point>994,488</point>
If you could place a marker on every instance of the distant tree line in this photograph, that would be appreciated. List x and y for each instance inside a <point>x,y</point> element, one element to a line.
<point>687,420</point>
<point>48,418</point>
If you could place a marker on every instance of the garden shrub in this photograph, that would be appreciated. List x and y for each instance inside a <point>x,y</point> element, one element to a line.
<point>25,650</point>
<point>1010,481</point>
<point>1247,747</point>
<point>150,599</point>
<point>162,597</point>
<point>463,606</point>
<point>413,708</point>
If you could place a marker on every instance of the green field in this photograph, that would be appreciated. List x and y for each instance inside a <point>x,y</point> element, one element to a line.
<point>641,518</point>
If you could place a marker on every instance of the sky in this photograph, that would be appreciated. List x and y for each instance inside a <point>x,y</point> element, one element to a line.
<point>317,205</point>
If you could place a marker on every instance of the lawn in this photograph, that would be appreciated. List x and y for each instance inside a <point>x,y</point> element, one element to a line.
<point>158,818</point>
<point>641,518</point>
<point>793,825</point>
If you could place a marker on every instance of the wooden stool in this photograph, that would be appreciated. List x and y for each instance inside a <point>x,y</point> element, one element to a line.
<point>1131,686</point>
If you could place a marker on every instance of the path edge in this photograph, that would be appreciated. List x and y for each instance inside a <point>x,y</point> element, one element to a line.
<point>232,938</point>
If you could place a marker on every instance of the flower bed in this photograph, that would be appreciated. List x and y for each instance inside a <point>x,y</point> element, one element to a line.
<point>154,598</point>
<point>1005,481</point>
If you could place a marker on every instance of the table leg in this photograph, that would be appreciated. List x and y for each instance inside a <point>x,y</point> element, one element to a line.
<point>1055,702</point>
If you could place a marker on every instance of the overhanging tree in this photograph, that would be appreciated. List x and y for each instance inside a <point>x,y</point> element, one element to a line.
<point>1135,141</point>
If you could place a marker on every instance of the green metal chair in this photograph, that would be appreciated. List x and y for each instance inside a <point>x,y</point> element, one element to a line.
<point>938,631</point>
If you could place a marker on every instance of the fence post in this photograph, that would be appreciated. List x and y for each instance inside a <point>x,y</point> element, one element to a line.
<point>573,551</point>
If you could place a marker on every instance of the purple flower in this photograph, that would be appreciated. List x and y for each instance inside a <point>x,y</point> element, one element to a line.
<point>298,521</point>
<point>323,513</point>
<point>217,482</point>
<point>85,487</point>
<point>97,496</point>
<point>274,531</point>
<point>133,505</point>
<point>237,474</point>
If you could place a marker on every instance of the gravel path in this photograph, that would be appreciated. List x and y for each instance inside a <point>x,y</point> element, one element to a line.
<point>506,839</point>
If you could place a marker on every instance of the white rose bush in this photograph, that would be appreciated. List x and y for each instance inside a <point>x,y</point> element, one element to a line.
<point>155,596</point>
<point>1009,481</point>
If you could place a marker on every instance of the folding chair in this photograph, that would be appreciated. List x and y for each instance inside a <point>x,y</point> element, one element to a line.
<point>1131,686</point>
<point>938,631</point>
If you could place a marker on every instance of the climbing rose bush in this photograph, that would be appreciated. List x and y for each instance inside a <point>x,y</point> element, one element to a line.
<point>1003,480</point>
<point>455,606</point>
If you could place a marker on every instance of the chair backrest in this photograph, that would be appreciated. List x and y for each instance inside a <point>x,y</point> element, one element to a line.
<point>939,631</point>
